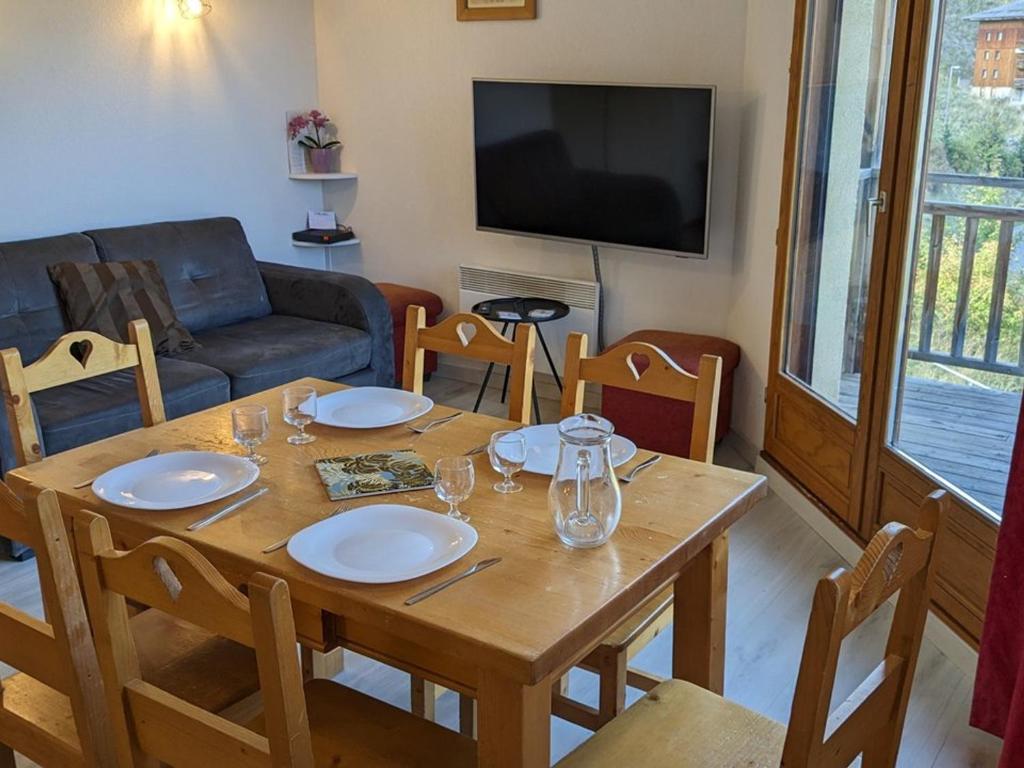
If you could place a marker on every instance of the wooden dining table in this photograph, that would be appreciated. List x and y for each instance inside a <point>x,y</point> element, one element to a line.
<point>504,636</point>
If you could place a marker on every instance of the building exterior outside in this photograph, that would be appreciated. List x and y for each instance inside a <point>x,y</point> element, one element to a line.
<point>999,52</point>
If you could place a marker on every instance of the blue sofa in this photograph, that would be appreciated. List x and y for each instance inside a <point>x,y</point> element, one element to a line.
<point>258,326</point>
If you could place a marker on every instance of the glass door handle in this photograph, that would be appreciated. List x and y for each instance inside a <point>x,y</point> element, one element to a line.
<point>880,203</point>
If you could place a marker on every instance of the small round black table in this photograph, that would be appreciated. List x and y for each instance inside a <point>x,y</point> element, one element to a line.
<point>513,312</point>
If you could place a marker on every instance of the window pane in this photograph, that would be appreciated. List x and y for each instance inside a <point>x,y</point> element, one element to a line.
<point>846,67</point>
<point>958,394</point>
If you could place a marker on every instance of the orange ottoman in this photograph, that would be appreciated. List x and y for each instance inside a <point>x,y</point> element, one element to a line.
<point>660,424</point>
<point>400,298</point>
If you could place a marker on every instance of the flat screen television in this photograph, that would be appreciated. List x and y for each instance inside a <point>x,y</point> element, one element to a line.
<point>627,166</point>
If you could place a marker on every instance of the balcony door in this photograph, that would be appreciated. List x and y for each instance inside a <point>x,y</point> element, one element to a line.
<point>898,336</point>
<point>845,57</point>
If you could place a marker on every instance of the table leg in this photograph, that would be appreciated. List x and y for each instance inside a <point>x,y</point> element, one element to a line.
<point>698,642</point>
<point>487,379</point>
<point>483,388</point>
<point>508,368</point>
<point>514,723</point>
<point>547,354</point>
<point>504,387</point>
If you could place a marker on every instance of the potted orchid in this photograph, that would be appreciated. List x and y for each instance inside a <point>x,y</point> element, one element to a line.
<point>315,131</point>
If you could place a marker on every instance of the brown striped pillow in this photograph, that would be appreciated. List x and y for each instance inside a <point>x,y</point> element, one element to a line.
<point>106,297</point>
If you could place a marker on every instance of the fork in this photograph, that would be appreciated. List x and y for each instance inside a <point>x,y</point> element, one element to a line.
<point>284,542</point>
<point>89,482</point>
<point>434,424</point>
<point>631,476</point>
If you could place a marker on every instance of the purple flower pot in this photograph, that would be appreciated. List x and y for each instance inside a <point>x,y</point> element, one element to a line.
<point>324,160</point>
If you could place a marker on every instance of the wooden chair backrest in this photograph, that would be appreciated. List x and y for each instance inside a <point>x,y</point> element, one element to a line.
<point>75,357</point>
<point>870,720</point>
<point>151,725</point>
<point>61,653</point>
<point>453,337</point>
<point>617,367</point>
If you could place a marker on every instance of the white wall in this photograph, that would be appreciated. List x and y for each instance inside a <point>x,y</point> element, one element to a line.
<point>397,77</point>
<point>764,106</point>
<point>120,112</point>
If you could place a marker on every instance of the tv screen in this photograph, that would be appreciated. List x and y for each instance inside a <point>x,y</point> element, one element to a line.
<point>625,166</point>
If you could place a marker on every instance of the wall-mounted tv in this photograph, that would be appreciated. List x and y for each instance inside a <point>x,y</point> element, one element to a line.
<point>627,166</point>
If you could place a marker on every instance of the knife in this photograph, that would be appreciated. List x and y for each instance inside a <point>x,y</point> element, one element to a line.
<point>481,566</point>
<point>198,525</point>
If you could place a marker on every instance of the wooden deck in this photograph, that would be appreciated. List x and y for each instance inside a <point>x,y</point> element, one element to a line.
<point>964,434</point>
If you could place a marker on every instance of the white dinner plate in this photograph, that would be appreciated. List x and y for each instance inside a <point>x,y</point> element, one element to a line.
<point>543,445</point>
<point>176,480</point>
<point>382,544</point>
<point>370,408</point>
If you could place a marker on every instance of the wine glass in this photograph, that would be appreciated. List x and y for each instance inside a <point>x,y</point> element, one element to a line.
<point>300,411</point>
<point>507,452</point>
<point>251,426</point>
<point>453,482</point>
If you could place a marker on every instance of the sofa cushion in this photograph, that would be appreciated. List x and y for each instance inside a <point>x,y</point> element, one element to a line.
<point>105,298</point>
<point>31,317</point>
<point>274,350</point>
<point>90,410</point>
<point>207,264</point>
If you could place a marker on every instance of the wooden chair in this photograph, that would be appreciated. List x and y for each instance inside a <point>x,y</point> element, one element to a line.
<point>75,357</point>
<point>453,337</point>
<point>321,724</point>
<point>207,670</point>
<point>53,711</point>
<point>680,725</point>
<point>619,367</point>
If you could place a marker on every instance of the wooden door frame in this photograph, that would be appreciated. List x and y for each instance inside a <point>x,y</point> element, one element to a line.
<point>894,483</point>
<point>849,438</point>
<point>883,485</point>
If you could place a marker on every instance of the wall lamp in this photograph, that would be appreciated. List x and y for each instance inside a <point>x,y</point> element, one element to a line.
<point>193,9</point>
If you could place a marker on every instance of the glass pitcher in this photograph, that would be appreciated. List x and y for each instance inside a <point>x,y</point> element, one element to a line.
<point>584,496</point>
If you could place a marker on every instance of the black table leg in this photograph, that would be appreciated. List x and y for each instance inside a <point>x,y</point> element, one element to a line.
<point>483,388</point>
<point>536,405</point>
<point>508,368</point>
<point>487,379</point>
<point>547,354</point>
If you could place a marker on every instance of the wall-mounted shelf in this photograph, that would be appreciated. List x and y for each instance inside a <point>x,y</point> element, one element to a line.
<point>343,244</point>
<point>322,176</point>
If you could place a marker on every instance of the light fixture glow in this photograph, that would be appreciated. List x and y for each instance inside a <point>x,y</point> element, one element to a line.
<point>193,9</point>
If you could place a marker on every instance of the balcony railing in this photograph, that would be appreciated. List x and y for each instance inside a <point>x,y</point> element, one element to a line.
<point>973,215</point>
<point>943,215</point>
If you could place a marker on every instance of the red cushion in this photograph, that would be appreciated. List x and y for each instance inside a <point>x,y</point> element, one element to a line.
<point>400,298</point>
<point>660,424</point>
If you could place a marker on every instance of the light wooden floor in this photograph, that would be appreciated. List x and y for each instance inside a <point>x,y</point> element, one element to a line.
<point>774,563</point>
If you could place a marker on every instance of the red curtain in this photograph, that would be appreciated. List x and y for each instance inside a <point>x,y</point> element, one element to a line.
<point>999,689</point>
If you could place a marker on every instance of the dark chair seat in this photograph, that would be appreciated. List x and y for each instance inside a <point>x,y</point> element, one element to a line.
<point>274,350</point>
<point>82,413</point>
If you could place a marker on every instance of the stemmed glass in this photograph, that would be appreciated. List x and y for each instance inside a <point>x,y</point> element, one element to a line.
<point>251,426</point>
<point>453,482</point>
<point>507,452</point>
<point>300,411</point>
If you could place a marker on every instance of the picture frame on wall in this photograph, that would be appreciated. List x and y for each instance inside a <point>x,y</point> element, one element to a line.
<point>496,10</point>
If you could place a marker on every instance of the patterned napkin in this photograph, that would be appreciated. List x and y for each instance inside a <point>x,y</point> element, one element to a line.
<point>374,474</point>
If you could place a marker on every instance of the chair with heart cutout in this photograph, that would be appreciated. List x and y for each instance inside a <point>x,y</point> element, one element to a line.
<point>638,367</point>
<point>75,357</point>
<point>468,335</point>
<point>212,673</point>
